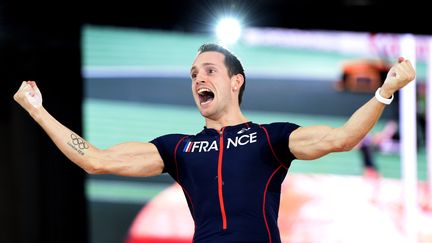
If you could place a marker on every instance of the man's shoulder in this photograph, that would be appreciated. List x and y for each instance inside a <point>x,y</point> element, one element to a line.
<point>280,128</point>
<point>278,123</point>
<point>171,137</point>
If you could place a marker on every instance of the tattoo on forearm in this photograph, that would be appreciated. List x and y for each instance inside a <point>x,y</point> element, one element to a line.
<point>78,144</point>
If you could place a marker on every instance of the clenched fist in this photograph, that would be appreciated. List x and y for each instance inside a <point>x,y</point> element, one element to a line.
<point>398,76</point>
<point>29,96</point>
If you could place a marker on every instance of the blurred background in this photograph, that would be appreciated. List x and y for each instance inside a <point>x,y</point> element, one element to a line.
<point>117,72</point>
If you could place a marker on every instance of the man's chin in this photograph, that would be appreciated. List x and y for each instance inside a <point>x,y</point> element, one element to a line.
<point>207,113</point>
<point>205,109</point>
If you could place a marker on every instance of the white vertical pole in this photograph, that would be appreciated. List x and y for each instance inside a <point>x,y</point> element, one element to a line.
<point>407,118</point>
<point>429,120</point>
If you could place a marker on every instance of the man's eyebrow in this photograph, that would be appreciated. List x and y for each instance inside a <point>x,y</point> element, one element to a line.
<point>193,68</point>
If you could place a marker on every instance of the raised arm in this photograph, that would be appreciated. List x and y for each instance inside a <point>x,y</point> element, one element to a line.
<point>313,142</point>
<point>127,159</point>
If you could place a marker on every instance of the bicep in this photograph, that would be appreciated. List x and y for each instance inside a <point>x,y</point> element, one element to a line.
<point>132,159</point>
<point>307,143</point>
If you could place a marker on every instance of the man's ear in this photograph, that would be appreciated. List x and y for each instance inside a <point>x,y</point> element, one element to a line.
<point>238,81</point>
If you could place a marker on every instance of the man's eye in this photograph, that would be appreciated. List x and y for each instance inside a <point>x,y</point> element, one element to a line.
<point>193,75</point>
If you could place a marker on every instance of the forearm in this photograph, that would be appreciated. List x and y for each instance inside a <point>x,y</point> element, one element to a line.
<point>361,123</point>
<point>366,117</point>
<point>72,145</point>
<point>128,159</point>
<point>314,142</point>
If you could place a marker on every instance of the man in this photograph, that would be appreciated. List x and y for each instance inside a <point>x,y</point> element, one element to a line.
<point>231,172</point>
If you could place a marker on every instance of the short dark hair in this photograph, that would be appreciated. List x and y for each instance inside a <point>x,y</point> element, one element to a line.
<point>231,62</point>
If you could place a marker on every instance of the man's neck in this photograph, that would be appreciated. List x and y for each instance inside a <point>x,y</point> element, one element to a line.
<point>224,121</point>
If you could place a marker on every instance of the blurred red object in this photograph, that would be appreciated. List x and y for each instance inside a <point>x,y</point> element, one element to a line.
<point>314,209</point>
<point>362,75</point>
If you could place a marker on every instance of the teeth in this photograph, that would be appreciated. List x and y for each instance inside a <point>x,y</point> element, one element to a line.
<point>201,90</point>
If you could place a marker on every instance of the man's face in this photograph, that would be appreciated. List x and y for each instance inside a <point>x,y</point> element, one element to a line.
<point>211,84</point>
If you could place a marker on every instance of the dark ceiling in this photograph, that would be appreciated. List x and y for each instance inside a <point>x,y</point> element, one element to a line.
<point>198,15</point>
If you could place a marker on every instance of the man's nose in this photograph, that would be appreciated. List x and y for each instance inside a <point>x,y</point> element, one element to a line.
<point>200,79</point>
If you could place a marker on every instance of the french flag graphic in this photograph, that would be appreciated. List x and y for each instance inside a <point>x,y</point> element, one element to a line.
<point>188,146</point>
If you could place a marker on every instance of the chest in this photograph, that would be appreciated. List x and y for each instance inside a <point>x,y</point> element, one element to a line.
<point>248,153</point>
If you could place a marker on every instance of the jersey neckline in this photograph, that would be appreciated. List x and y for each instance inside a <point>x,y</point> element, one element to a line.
<point>226,129</point>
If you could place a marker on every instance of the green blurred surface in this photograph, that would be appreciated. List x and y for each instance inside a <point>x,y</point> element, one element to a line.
<point>122,191</point>
<point>105,46</point>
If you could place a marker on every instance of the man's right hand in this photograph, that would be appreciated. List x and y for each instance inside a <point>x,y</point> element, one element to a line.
<point>29,96</point>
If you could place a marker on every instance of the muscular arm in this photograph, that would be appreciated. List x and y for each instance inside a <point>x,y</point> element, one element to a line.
<point>313,142</point>
<point>316,141</point>
<point>127,159</point>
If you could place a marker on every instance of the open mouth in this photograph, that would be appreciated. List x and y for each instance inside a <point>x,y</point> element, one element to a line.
<point>205,96</point>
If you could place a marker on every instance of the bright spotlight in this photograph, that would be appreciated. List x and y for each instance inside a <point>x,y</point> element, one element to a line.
<point>228,30</point>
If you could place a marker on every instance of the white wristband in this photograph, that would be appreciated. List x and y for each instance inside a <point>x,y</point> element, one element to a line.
<point>382,99</point>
